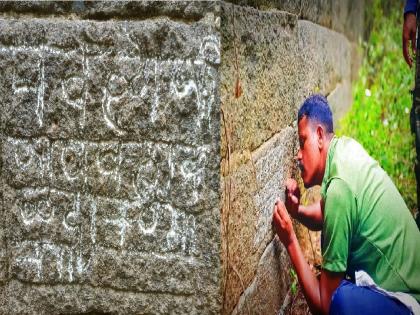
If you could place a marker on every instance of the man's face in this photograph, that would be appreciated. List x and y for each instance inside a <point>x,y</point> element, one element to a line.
<point>309,155</point>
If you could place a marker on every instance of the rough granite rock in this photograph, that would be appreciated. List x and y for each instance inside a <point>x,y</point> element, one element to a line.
<point>109,158</point>
<point>325,66</point>
<point>266,293</point>
<point>260,54</point>
<point>344,16</point>
<point>103,10</point>
<point>251,189</point>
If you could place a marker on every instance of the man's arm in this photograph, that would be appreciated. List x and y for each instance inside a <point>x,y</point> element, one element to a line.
<point>409,30</point>
<point>317,292</point>
<point>311,215</point>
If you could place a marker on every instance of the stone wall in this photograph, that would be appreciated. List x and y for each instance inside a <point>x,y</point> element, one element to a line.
<point>143,145</point>
<point>109,158</point>
<point>274,55</point>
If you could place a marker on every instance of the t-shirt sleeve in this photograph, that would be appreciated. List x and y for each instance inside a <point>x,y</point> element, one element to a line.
<point>410,6</point>
<point>339,213</point>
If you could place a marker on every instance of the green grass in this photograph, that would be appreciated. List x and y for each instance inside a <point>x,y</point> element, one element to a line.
<point>381,121</point>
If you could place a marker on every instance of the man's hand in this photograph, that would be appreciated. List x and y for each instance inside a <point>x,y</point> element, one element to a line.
<point>409,34</point>
<point>292,197</point>
<point>283,224</point>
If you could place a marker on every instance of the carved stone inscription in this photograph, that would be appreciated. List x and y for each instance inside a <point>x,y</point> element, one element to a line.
<point>105,153</point>
<point>97,94</point>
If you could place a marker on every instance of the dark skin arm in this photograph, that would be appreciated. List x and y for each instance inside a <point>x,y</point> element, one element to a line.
<point>311,216</point>
<point>317,292</point>
<point>409,35</point>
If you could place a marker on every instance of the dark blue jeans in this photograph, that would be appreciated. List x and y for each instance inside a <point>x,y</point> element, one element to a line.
<point>349,299</point>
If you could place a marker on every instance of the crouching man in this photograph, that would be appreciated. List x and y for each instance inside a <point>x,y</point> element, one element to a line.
<point>370,241</point>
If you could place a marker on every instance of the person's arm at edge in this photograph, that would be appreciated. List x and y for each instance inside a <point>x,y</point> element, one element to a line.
<point>409,30</point>
<point>318,293</point>
<point>410,6</point>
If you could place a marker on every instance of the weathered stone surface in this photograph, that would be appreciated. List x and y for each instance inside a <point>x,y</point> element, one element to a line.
<point>110,149</point>
<point>318,11</point>
<point>238,219</point>
<point>3,241</point>
<point>260,52</point>
<point>98,81</point>
<point>271,283</point>
<point>326,65</point>
<point>88,300</point>
<point>346,17</point>
<point>102,10</point>
<point>340,100</point>
<point>268,291</point>
<point>110,160</point>
<point>273,165</point>
<point>253,187</point>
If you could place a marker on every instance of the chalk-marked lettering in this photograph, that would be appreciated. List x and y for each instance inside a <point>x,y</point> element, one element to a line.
<point>122,223</point>
<point>83,266</point>
<point>40,92</point>
<point>155,104</point>
<point>69,262</point>
<point>24,154</point>
<point>29,262</point>
<point>108,117</point>
<point>210,49</point>
<point>36,207</point>
<point>182,232</point>
<point>72,219</point>
<point>108,162</point>
<point>72,92</point>
<point>72,160</point>
<point>144,180</point>
<point>150,229</point>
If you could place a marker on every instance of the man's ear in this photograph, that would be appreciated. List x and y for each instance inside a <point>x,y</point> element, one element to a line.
<point>320,136</point>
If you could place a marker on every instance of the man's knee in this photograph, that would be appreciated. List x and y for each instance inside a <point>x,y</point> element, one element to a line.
<point>351,299</point>
<point>341,299</point>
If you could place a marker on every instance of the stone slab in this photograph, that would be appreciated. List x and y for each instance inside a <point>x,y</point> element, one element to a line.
<point>325,61</point>
<point>105,10</point>
<point>99,81</point>
<point>348,17</point>
<point>270,285</point>
<point>340,100</point>
<point>260,53</point>
<point>345,17</point>
<point>91,300</point>
<point>109,161</point>
<point>273,165</point>
<point>254,187</point>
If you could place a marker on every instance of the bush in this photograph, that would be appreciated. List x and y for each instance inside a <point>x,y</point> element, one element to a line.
<point>380,116</point>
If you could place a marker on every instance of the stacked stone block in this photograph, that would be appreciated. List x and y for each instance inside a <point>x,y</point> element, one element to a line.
<point>109,148</point>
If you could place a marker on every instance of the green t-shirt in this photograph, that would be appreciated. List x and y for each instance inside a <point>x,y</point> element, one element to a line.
<point>367,225</point>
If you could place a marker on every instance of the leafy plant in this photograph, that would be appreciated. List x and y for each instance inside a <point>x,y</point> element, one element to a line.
<point>294,284</point>
<point>380,116</point>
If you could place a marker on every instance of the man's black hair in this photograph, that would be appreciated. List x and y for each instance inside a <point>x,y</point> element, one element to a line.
<point>316,108</point>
